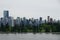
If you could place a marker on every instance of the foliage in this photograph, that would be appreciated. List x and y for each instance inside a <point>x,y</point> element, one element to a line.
<point>45,27</point>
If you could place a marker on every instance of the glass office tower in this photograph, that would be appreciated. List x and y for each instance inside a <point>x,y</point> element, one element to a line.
<point>6,14</point>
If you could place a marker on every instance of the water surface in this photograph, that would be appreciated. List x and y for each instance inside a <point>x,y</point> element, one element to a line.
<point>30,36</point>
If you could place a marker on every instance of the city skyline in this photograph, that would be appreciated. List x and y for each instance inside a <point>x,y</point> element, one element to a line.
<point>8,15</point>
<point>9,24</point>
<point>29,19</point>
<point>4,15</point>
<point>31,8</point>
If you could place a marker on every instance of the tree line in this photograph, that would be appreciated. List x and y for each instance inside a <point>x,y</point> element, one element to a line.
<point>44,27</point>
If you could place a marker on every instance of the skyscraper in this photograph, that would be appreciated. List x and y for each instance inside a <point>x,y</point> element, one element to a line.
<point>40,20</point>
<point>18,21</point>
<point>48,18</point>
<point>6,14</point>
<point>51,20</point>
<point>0,22</point>
<point>11,21</point>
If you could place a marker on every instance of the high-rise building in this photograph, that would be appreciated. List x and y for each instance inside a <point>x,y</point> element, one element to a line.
<point>51,20</point>
<point>48,18</point>
<point>0,22</point>
<point>6,14</point>
<point>17,21</point>
<point>11,21</point>
<point>40,20</point>
<point>36,23</point>
<point>5,21</point>
<point>24,21</point>
<point>45,21</point>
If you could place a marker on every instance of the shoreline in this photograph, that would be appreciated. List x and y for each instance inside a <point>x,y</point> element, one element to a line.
<point>28,32</point>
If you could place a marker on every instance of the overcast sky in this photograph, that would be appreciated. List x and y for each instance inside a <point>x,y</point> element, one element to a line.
<point>31,8</point>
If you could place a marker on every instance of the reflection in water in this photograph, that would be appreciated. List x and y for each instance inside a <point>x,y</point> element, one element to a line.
<point>30,36</point>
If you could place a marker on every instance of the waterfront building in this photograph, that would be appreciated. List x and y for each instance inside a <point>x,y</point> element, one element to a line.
<point>6,17</point>
<point>6,13</point>
<point>40,20</point>
<point>48,19</point>
<point>24,21</point>
<point>11,21</point>
<point>0,22</point>
<point>3,21</point>
<point>18,21</point>
<point>51,20</point>
<point>45,21</point>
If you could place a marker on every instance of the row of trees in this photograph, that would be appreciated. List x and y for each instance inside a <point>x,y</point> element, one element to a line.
<point>45,27</point>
